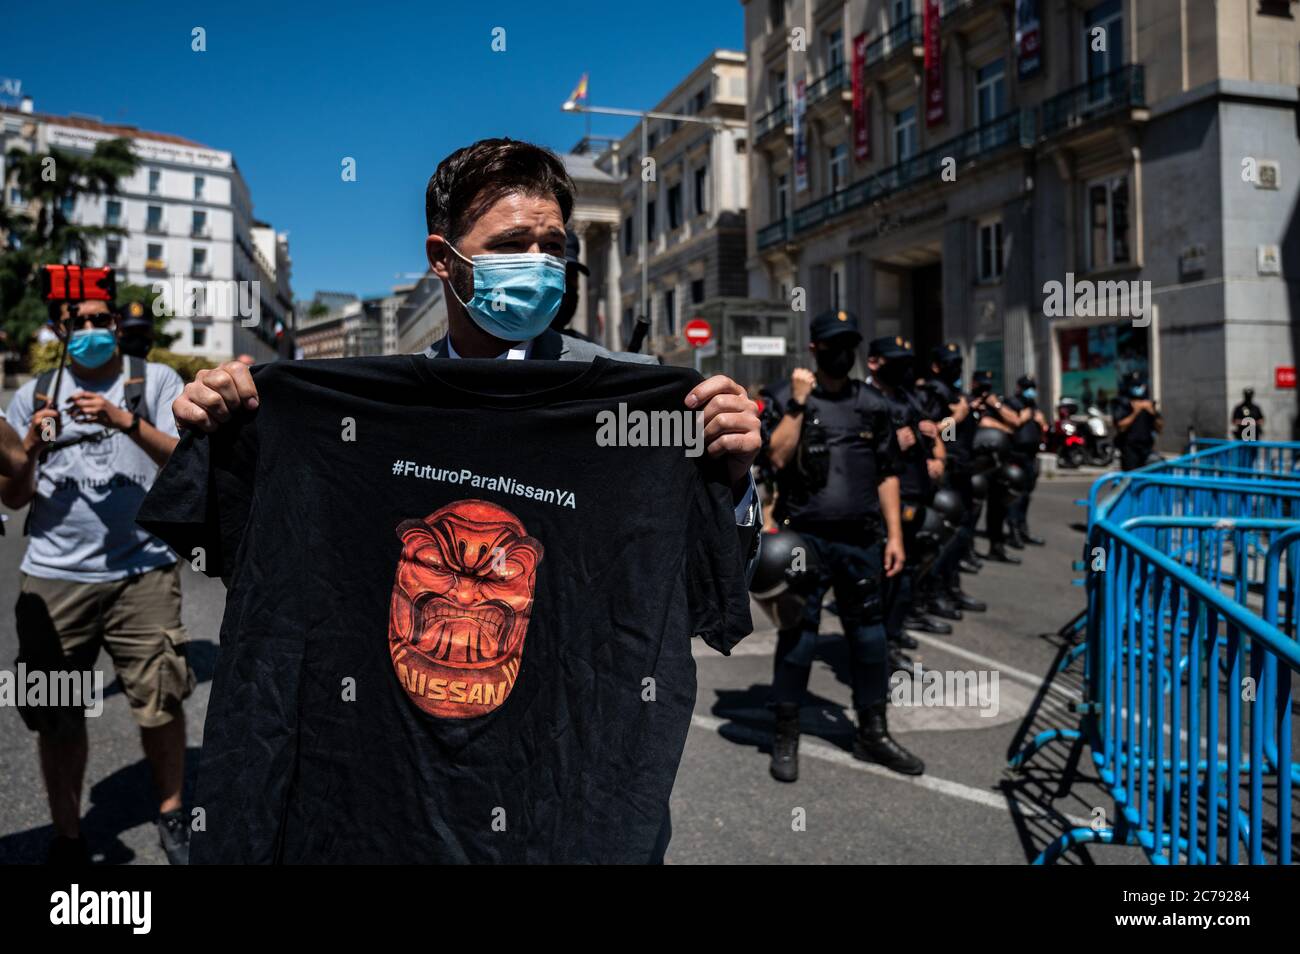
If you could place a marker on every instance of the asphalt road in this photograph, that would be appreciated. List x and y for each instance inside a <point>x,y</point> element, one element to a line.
<point>966,809</point>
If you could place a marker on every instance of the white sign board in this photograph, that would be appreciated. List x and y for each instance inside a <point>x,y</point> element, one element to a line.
<point>762,346</point>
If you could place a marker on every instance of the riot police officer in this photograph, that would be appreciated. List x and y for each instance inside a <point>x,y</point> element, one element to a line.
<point>1025,441</point>
<point>991,447</point>
<point>829,439</point>
<point>891,362</point>
<point>947,407</point>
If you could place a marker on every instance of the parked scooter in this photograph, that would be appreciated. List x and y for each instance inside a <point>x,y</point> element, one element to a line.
<point>1081,437</point>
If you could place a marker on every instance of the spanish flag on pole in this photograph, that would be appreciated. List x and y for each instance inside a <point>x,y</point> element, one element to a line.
<point>578,95</point>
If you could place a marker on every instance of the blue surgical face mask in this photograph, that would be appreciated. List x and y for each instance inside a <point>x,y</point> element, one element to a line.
<point>516,295</point>
<point>1029,393</point>
<point>1138,391</point>
<point>92,347</point>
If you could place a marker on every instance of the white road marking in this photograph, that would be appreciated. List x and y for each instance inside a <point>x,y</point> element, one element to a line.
<point>827,753</point>
<point>989,662</point>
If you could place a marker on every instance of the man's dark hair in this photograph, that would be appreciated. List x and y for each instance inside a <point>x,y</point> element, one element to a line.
<point>474,177</point>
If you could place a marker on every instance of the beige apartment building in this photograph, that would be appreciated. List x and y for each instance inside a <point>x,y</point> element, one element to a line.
<point>1068,188</point>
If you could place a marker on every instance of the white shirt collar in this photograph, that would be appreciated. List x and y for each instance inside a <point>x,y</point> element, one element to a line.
<point>518,353</point>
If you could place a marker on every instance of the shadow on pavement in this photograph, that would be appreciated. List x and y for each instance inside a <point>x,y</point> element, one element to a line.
<point>118,803</point>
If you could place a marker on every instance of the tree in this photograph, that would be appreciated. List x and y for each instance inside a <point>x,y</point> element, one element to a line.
<point>51,184</point>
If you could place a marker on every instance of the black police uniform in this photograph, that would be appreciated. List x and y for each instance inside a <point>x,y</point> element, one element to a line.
<point>828,494</point>
<point>1248,410</point>
<point>1025,441</point>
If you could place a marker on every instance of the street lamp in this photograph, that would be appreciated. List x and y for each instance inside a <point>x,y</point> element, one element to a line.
<point>718,124</point>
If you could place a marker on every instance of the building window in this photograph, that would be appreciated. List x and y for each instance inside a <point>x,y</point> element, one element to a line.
<point>199,223</point>
<point>990,92</point>
<point>775,13</point>
<point>701,100</point>
<point>899,10</point>
<point>697,291</point>
<point>839,167</point>
<point>153,219</point>
<point>155,179</point>
<point>199,261</point>
<point>670,311</point>
<point>674,206</point>
<point>837,286</point>
<point>1109,18</point>
<point>782,197</point>
<point>1108,223</point>
<point>780,90</point>
<point>701,190</point>
<point>1275,8</point>
<point>112,251</point>
<point>113,212</point>
<point>834,50</point>
<point>651,140</point>
<point>650,221</point>
<point>990,251</point>
<point>627,236</point>
<point>905,134</point>
<point>198,187</point>
<point>198,337</point>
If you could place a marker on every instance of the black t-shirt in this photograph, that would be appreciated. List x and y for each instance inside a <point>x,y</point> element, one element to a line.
<point>1028,436</point>
<point>847,443</point>
<point>459,621</point>
<point>1141,434</point>
<point>1246,411</point>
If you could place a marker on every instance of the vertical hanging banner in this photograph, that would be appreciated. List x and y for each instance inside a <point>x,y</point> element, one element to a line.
<point>934,111</point>
<point>861,123</point>
<point>1029,39</point>
<point>800,136</point>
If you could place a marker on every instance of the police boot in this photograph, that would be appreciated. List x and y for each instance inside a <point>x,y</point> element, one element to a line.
<point>963,600</point>
<point>1015,538</point>
<point>1030,538</point>
<point>898,659</point>
<point>874,744</point>
<point>915,620</point>
<point>904,640</point>
<point>785,743</point>
<point>970,564</point>
<point>939,605</point>
<point>999,555</point>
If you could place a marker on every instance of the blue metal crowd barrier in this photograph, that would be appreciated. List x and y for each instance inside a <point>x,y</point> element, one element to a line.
<point>1190,650</point>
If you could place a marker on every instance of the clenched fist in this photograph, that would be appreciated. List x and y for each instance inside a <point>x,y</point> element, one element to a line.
<point>214,395</point>
<point>802,382</point>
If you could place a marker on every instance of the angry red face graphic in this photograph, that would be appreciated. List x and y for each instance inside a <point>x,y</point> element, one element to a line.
<point>460,609</point>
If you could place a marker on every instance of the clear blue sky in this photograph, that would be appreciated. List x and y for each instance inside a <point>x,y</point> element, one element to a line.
<point>292,88</point>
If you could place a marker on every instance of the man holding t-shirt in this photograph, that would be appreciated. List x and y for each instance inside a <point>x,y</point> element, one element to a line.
<point>496,212</point>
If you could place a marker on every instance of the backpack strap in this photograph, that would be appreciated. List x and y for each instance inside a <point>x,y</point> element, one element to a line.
<point>133,397</point>
<point>42,397</point>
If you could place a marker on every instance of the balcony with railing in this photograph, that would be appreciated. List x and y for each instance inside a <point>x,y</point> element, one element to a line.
<point>903,35</point>
<point>774,119</point>
<point>774,234</point>
<point>826,85</point>
<point>1121,89</point>
<point>1015,129</point>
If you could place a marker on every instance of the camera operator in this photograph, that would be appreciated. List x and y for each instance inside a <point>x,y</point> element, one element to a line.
<point>96,435</point>
<point>891,362</point>
<point>1137,422</point>
<point>1025,441</point>
<point>831,443</point>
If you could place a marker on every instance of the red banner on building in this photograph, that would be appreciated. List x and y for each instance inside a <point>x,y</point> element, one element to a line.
<point>934,111</point>
<point>861,118</point>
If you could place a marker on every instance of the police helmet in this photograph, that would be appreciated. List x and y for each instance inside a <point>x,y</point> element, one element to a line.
<point>947,503</point>
<point>932,526</point>
<point>785,561</point>
<point>1014,478</point>
<point>979,486</point>
<point>990,441</point>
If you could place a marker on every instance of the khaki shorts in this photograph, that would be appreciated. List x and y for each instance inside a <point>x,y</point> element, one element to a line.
<point>62,625</point>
